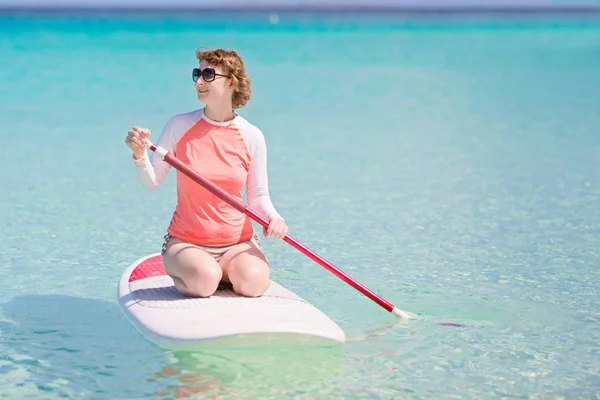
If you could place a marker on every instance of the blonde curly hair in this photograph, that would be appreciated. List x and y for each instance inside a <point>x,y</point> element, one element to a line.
<point>231,61</point>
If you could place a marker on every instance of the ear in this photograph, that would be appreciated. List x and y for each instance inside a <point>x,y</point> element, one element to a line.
<point>232,83</point>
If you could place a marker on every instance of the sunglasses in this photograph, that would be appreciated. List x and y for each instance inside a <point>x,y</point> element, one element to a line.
<point>208,74</point>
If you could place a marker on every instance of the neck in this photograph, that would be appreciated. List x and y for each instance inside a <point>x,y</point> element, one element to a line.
<point>219,112</point>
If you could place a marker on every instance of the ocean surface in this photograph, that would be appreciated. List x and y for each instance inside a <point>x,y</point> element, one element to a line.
<point>452,165</point>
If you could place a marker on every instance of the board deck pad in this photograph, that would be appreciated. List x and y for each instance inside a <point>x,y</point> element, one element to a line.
<point>148,297</point>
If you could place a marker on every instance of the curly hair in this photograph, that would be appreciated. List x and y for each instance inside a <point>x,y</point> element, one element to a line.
<point>232,62</point>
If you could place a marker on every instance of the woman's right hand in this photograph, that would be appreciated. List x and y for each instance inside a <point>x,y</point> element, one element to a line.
<point>136,140</point>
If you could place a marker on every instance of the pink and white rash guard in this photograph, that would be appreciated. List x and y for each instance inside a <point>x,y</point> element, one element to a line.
<point>230,154</point>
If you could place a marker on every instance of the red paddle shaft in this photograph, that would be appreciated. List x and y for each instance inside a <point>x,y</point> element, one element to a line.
<point>240,206</point>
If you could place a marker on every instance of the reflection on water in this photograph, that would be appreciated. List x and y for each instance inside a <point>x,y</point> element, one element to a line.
<point>248,374</point>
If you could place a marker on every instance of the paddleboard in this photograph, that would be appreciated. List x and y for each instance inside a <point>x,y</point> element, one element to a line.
<point>148,298</point>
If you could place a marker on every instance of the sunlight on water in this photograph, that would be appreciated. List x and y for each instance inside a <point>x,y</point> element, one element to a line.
<point>451,168</point>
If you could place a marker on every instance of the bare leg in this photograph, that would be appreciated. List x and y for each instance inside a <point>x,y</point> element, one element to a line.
<point>195,272</point>
<point>247,268</point>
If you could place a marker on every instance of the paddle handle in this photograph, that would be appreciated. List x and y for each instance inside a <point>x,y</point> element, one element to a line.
<point>240,206</point>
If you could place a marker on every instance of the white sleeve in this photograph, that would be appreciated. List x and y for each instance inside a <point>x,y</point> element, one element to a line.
<point>152,170</point>
<point>257,185</point>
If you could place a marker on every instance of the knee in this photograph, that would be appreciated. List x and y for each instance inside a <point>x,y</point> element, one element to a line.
<point>251,281</point>
<point>204,283</point>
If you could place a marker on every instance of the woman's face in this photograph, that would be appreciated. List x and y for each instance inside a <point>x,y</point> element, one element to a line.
<point>212,84</point>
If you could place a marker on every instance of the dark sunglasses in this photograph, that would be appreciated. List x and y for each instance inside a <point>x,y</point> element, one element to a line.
<point>208,74</point>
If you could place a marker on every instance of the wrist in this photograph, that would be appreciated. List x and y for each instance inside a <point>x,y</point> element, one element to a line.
<point>139,159</point>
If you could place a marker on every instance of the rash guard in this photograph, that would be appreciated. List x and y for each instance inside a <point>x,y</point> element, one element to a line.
<point>230,154</point>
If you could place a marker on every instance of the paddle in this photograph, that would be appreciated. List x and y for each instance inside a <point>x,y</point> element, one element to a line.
<point>240,206</point>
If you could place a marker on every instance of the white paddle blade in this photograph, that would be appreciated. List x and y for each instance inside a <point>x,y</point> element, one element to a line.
<point>404,314</point>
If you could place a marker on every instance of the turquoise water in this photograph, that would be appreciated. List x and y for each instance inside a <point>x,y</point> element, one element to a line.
<point>451,166</point>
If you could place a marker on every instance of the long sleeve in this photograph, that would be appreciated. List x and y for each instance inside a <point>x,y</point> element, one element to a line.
<point>151,169</point>
<point>257,185</point>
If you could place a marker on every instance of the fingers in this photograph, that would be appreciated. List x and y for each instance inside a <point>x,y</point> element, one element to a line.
<point>143,132</point>
<point>277,228</point>
<point>137,138</point>
<point>134,139</point>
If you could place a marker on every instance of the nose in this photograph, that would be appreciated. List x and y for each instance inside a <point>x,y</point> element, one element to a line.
<point>200,82</point>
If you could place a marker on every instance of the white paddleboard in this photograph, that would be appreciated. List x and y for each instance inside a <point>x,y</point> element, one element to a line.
<point>149,299</point>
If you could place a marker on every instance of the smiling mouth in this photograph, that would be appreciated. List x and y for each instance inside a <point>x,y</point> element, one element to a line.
<point>202,91</point>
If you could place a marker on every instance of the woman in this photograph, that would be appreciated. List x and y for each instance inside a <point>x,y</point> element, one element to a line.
<point>207,240</point>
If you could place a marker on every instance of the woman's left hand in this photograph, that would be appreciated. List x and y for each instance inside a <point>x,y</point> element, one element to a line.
<point>277,228</point>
